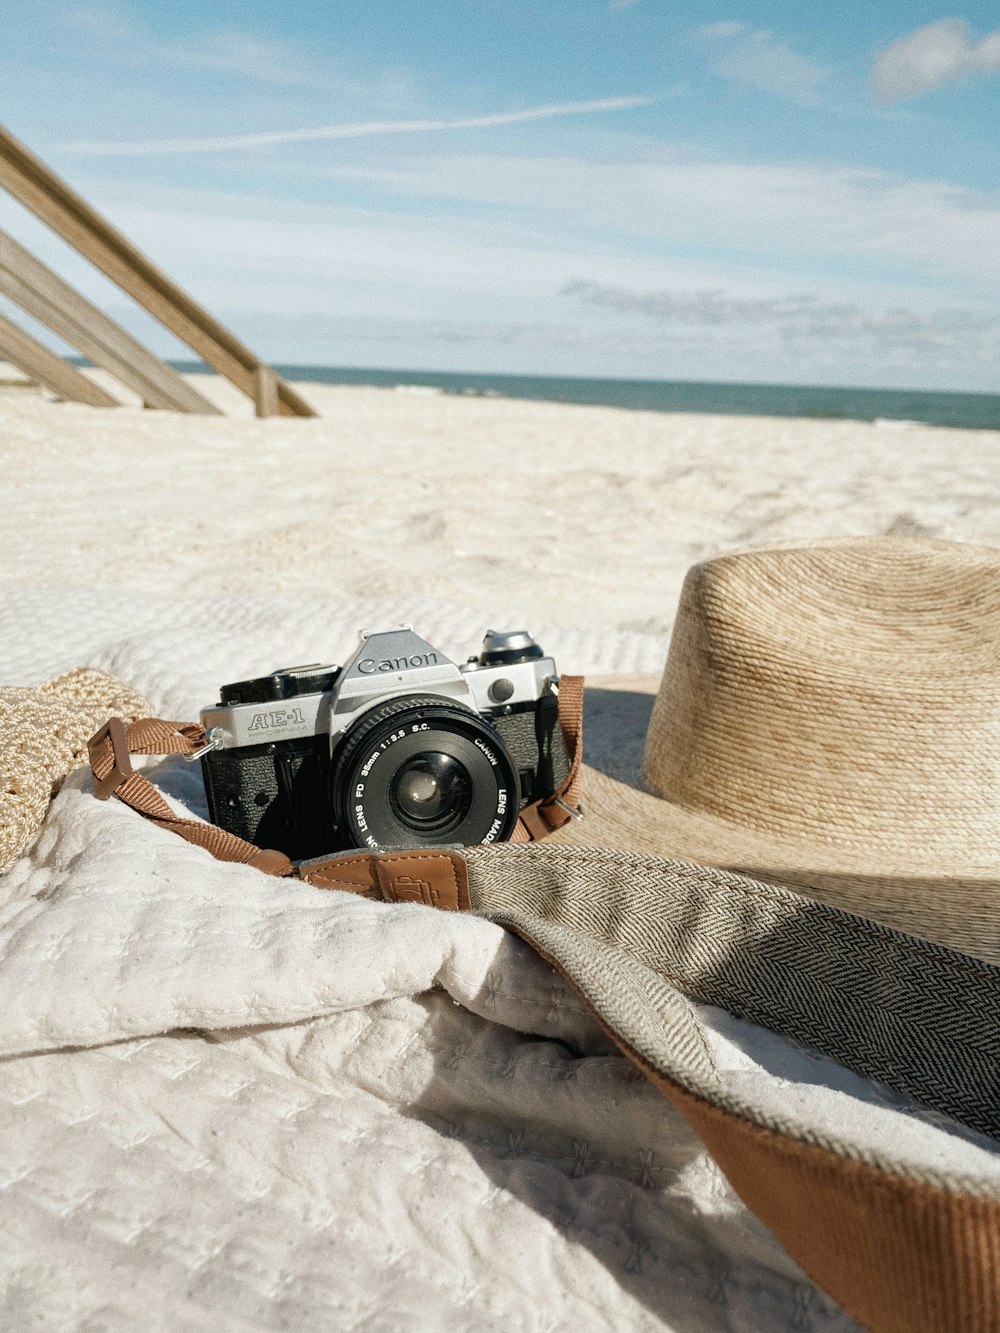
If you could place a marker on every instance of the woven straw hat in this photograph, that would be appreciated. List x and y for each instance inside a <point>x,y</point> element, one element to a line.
<point>829,718</point>
<point>43,736</point>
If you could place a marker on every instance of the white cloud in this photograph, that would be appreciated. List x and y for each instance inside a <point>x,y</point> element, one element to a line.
<point>102,23</point>
<point>932,56</point>
<point>327,285</point>
<point>105,148</point>
<point>758,59</point>
<point>900,277</point>
<point>224,51</point>
<point>802,319</point>
<point>724,28</point>
<point>786,215</point>
<point>773,67</point>
<point>243,55</point>
<point>505,266</point>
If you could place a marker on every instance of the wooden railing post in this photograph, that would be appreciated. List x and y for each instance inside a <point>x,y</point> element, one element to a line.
<point>266,392</point>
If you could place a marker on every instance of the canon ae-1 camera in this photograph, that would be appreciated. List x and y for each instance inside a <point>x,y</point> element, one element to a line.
<point>398,748</point>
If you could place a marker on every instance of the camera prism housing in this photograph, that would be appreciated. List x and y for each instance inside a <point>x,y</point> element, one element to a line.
<point>399,748</point>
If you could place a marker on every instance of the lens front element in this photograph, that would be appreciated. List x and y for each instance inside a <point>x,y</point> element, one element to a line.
<point>431,792</point>
<point>422,771</point>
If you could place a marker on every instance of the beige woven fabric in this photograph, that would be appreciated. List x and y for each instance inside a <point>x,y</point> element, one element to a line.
<point>43,736</point>
<point>829,717</point>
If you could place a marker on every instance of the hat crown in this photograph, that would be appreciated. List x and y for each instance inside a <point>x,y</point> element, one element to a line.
<point>846,692</point>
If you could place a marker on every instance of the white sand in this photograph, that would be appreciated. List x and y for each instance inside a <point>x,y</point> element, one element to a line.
<point>573,516</point>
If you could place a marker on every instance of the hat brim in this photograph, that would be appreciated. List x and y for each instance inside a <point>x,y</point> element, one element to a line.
<point>922,893</point>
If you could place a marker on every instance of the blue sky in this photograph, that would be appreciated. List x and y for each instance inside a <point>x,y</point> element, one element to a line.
<point>758,192</point>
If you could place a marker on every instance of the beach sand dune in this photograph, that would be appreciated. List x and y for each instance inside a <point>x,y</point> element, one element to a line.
<point>568,515</point>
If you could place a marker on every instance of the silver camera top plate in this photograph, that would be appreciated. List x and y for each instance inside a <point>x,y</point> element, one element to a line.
<point>386,663</point>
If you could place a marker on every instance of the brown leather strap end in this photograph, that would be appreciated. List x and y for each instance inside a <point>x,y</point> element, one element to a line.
<point>542,818</point>
<point>109,758</point>
<point>110,748</point>
<point>351,872</point>
<point>271,862</point>
<point>434,877</point>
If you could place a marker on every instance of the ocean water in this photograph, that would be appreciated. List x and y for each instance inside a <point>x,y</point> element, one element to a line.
<point>978,411</point>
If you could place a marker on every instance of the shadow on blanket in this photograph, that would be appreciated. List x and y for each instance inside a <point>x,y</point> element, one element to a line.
<point>583,1140</point>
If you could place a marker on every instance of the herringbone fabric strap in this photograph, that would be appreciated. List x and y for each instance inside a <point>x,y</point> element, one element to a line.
<point>900,1255</point>
<point>892,1007</point>
<point>903,1250</point>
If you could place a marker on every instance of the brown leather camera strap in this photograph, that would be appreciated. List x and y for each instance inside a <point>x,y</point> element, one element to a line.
<point>110,763</point>
<point>537,821</point>
<point>903,1250</point>
<point>111,749</point>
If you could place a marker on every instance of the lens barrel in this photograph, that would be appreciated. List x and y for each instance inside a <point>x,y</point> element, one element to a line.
<point>420,771</point>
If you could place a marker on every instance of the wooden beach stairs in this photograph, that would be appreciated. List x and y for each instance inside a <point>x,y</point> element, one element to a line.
<point>44,296</point>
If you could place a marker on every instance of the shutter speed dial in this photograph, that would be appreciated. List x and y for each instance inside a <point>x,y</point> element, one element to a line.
<point>506,647</point>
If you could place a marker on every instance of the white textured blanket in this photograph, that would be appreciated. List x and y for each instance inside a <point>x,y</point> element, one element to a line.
<point>229,1102</point>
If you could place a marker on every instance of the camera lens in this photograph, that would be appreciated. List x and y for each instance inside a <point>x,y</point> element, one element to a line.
<point>422,771</point>
<point>431,791</point>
